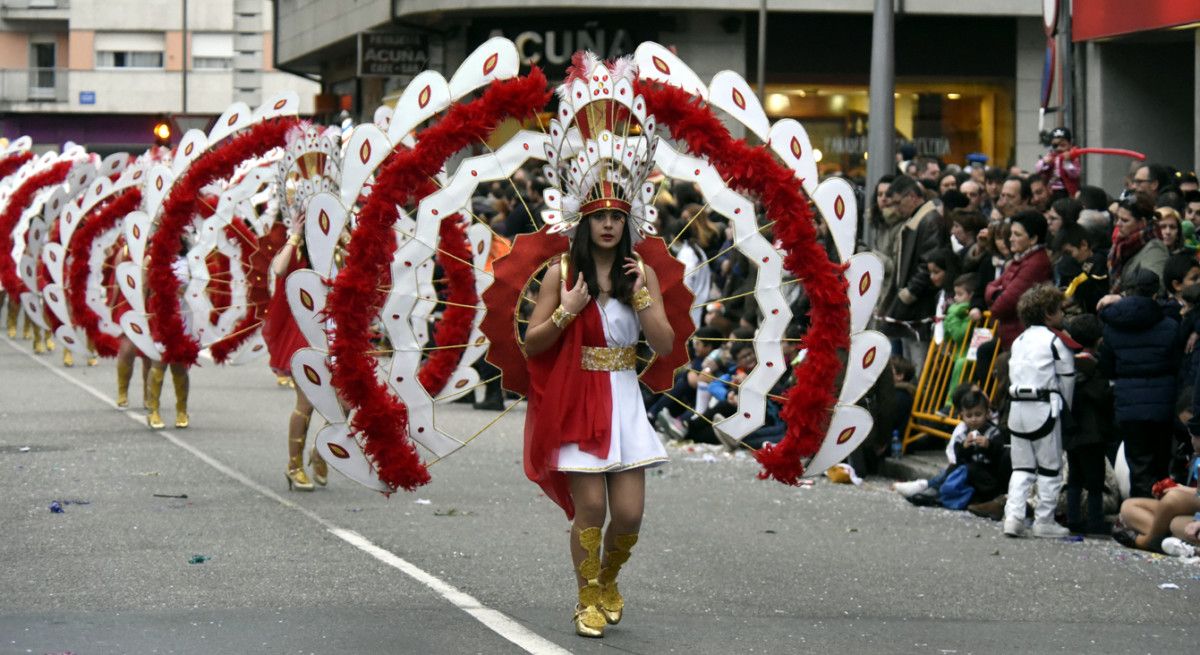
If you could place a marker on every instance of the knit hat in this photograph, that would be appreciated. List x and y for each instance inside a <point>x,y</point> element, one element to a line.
<point>1140,282</point>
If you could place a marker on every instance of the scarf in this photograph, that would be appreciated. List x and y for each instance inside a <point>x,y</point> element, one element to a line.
<point>1124,248</point>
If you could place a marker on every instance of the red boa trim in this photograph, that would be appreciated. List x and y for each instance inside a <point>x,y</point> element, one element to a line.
<point>455,325</point>
<point>355,299</point>
<point>257,293</point>
<point>12,163</point>
<point>755,170</point>
<point>183,203</point>
<point>17,203</point>
<point>95,223</point>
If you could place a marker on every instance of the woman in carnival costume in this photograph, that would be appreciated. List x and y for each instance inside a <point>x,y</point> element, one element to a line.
<point>591,456</point>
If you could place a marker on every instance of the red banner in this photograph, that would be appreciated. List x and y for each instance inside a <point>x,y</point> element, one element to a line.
<point>1095,19</point>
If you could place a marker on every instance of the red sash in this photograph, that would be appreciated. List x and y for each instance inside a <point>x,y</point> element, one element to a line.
<point>567,405</point>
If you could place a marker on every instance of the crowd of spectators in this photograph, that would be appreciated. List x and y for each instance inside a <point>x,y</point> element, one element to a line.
<point>1115,277</point>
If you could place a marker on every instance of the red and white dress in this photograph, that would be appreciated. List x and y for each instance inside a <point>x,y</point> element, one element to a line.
<point>584,420</point>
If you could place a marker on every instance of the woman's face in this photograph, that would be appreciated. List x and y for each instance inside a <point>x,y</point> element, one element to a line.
<point>1169,227</point>
<point>1127,223</point>
<point>948,183</point>
<point>1000,244</point>
<point>961,234</point>
<point>936,275</point>
<point>1019,240</point>
<point>606,227</point>
<point>1053,222</point>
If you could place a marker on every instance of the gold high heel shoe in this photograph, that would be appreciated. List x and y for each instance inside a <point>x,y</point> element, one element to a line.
<point>296,477</point>
<point>181,399</point>
<point>612,605</point>
<point>68,358</point>
<point>320,470</point>
<point>154,385</point>
<point>589,621</point>
<point>93,360</point>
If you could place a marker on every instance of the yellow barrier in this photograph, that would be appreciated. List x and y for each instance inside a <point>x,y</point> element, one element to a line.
<point>931,412</point>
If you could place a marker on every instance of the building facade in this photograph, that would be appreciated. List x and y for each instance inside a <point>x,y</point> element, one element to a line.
<point>968,75</point>
<point>1138,65</point>
<point>103,73</point>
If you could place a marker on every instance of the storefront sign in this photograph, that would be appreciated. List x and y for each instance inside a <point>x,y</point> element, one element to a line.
<point>1100,18</point>
<point>391,54</point>
<point>549,43</point>
<point>934,146</point>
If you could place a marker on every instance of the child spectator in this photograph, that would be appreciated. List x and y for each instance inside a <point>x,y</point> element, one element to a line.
<point>903,373</point>
<point>669,410</point>
<point>954,326</point>
<point>975,443</point>
<point>1041,373</point>
<point>1087,444</point>
<point>1090,283</point>
<point>1140,354</point>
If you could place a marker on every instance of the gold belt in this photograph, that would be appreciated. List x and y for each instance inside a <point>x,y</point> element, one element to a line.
<point>609,359</point>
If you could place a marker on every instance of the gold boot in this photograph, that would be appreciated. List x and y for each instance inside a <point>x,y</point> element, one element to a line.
<point>49,342</point>
<point>28,334</point>
<point>281,380</point>
<point>39,346</point>
<point>68,358</point>
<point>124,373</point>
<point>92,359</point>
<point>154,385</point>
<point>319,468</point>
<point>12,321</point>
<point>296,477</point>
<point>611,603</point>
<point>589,621</point>
<point>181,397</point>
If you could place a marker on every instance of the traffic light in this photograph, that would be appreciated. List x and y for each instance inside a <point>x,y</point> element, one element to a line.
<point>162,133</point>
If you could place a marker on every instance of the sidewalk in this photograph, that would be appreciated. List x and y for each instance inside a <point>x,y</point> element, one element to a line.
<point>922,464</point>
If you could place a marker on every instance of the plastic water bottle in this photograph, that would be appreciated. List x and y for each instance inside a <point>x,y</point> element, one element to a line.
<point>897,444</point>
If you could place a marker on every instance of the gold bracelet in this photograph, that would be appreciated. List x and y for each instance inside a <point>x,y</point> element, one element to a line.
<point>642,299</point>
<point>561,317</point>
<point>295,240</point>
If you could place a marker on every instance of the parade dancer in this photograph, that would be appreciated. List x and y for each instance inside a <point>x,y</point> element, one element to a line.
<point>283,338</point>
<point>587,438</point>
<point>179,370</point>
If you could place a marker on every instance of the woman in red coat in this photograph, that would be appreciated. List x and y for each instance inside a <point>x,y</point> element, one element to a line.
<point>1030,266</point>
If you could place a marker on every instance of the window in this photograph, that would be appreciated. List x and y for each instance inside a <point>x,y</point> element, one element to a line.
<point>212,51</point>
<point>129,50</point>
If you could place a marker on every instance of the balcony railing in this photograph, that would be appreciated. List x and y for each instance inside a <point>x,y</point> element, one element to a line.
<point>33,85</point>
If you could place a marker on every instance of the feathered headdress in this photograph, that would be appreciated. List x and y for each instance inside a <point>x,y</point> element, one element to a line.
<point>601,148</point>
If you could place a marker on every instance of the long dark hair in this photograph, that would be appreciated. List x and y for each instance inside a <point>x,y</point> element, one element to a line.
<point>582,262</point>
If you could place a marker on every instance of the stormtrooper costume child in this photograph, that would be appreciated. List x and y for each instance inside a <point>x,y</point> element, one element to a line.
<point>1042,382</point>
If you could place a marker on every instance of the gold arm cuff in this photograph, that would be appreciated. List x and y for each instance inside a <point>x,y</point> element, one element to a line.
<point>642,299</point>
<point>561,317</point>
<point>609,359</point>
<point>295,240</point>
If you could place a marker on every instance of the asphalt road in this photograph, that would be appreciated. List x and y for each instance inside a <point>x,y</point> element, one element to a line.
<point>726,564</point>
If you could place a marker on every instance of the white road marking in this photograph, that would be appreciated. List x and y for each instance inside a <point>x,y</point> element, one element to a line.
<point>494,620</point>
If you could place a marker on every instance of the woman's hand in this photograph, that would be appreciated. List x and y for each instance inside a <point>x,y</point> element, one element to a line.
<point>576,298</point>
<point>297,227</point>
<point>632,269</point>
